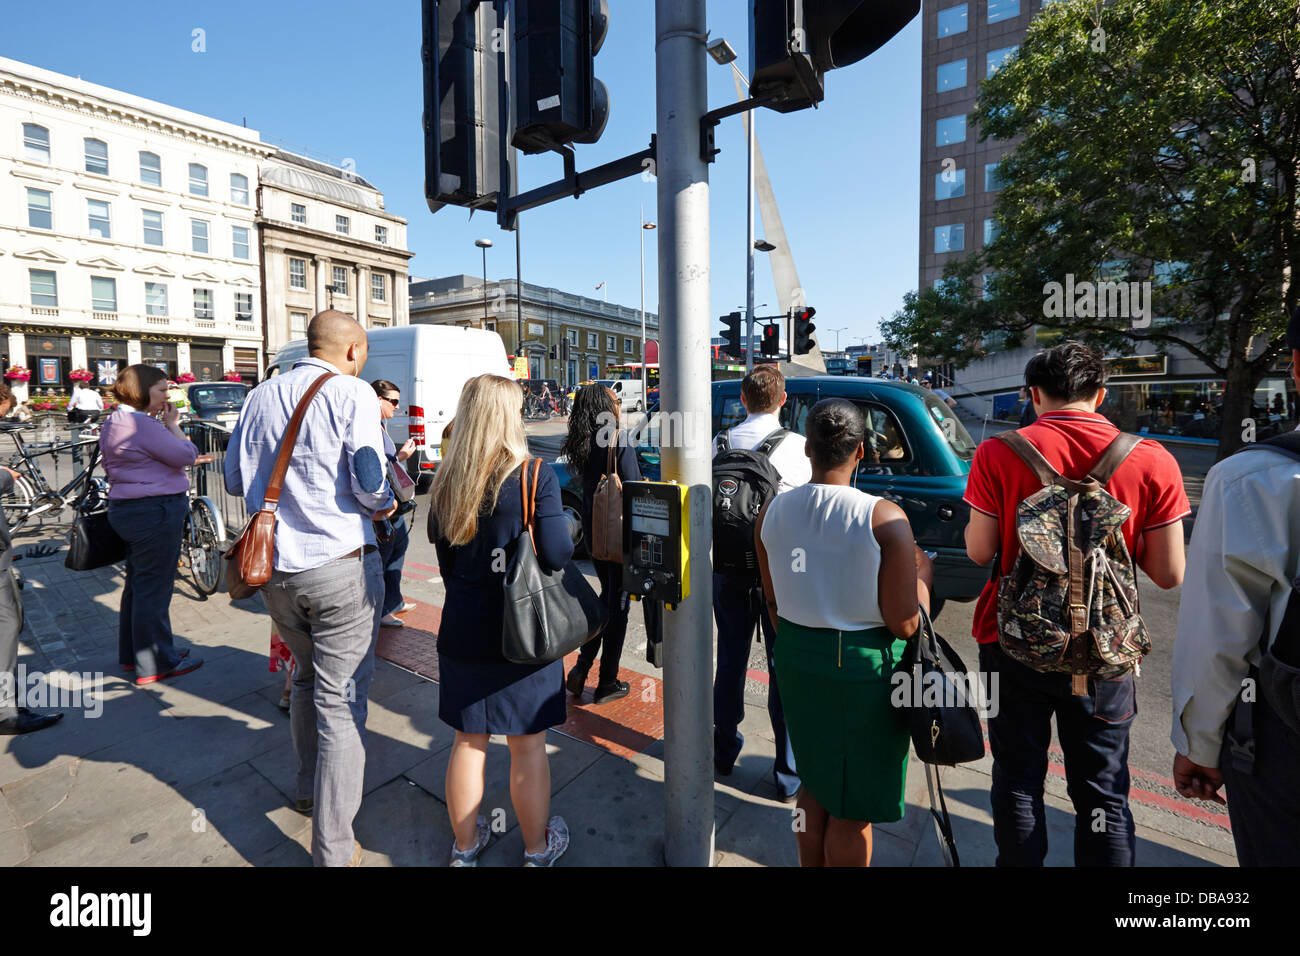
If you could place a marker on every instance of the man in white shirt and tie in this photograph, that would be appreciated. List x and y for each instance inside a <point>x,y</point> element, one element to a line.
<point>738,603</point>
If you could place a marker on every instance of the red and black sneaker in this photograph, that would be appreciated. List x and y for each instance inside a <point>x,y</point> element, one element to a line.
<point>182,666</point>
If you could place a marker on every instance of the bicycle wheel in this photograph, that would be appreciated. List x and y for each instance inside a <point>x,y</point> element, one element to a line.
<point>18,503</point>
<point>202,546</point>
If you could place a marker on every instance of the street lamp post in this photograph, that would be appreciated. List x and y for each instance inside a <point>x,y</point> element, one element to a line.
<point>837,336</point>
<point>485,245</point>
<point>645,390</point>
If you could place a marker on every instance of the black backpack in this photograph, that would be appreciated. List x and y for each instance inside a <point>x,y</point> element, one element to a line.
<point>1277,678</point>
<point>743,481</point>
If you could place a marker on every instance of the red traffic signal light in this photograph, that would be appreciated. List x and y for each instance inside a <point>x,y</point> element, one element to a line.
<point>771,340</point>
<point>802,330</point>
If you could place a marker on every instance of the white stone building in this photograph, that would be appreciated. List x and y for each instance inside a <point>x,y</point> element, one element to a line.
<point>127,234</point>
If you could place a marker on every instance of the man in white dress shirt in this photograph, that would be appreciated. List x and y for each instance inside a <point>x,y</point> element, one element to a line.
<point>1237,710</point>
<point>738,603</point>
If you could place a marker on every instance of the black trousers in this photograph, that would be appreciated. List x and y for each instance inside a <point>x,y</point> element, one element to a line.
<point>1264,806</point>
<point>609,642</point>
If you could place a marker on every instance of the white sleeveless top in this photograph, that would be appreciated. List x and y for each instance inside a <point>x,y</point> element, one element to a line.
<point>823,557</point>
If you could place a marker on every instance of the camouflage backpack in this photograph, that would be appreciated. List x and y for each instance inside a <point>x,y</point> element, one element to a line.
<point>1070,602</point>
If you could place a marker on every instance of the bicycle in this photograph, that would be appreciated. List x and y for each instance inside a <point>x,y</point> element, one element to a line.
<point>32,495</point>
<point>202,536</point>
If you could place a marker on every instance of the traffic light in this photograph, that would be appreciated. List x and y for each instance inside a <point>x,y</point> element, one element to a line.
<point>797,41</point>
<point>554,352</point>
<point>732,321</point>
<point>771,340</point>
<point>802,329</point>
<point>557,98</point>
<point>463,71</point>
<point>564,350</point>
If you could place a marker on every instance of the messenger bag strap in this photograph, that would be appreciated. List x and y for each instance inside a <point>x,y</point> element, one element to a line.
<point>611,464</point>
<point>1113,457</point>
<point>528,502</point>
<point>281,468</point>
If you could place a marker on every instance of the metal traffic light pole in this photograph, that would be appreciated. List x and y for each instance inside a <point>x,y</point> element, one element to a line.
<point>683,199</point>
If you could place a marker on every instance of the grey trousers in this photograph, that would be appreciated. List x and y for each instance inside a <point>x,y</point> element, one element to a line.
<point>329,618</point>
<point>11,624</point>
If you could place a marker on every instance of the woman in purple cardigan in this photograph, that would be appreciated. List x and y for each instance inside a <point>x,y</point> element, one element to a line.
<point>145,455</point>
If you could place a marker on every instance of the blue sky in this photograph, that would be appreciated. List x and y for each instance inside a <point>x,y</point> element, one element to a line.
<point>343,80</point>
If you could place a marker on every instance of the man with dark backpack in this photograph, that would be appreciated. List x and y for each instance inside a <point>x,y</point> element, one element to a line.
<point>1071,507</point>
<point>752,463</point>
<point>1236,669</point>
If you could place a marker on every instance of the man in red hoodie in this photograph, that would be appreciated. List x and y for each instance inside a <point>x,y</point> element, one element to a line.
<point>1067,385</point>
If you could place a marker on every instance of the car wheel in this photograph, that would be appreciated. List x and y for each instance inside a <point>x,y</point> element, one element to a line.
<point>573,511</point>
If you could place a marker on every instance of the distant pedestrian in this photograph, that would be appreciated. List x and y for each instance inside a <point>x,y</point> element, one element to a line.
<point>85,404</point>
<point>1239,631</point>
<point>1069,442</point>
<point>738,603</point>
<point>145,459</point>
<point>843,579</point>
<point>392,552</point>
<point>327,585</point>
<point>592,442</point>
<point>1028,414</point>
<point>14,719</point>
<point>475,517</point>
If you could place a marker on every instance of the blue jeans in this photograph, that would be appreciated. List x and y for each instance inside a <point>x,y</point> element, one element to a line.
<point>1094,733</point>
<point>151,528</point>
<point>737,607</point>
<point>393,555</point>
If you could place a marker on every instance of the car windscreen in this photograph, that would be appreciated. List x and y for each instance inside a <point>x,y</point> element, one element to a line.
<point>953,430</point>
<point>219,395</point>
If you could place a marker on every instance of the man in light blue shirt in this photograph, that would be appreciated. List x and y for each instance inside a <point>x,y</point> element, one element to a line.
<point>327,586</point>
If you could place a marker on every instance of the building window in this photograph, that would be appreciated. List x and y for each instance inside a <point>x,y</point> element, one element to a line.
<point>952,20</point>
<point>950,185</point>
<point>994,59</point>
<point>1000,10</point>
<point>239,189</point>
<point>198,235</point>
<point>573,337</point>
<point>40,209</point>
<point>155,298</point>
<point>992,181</point>
<point>987,289</point>
<point>340,280</point>
<point>203,304</point>
<point>381,235</point>
<point>100,225</point>
<point>244,306</point>
<point>240,239</point>
<point>592,340</point>
<point>341,225</point>
<point>627,346</point>
<point>950,238</point>
<point>378,289</point>
<point>611,343</point>
<point>198,180</point>
<point>951,76</point>
<point>298,213</point>
<point>949,130</point>
<point>45,288</point>
<point>103,294</point>
<point>96,156</point>
<point>153,227</point>
<point>297,324</point>
<point>36,143</point>
<point>943,286</point>
<point>990,230</point>
<point>297,273</point>
<point>150,169</point>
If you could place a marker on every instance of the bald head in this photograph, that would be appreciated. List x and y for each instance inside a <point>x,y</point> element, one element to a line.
<point>337,338</point>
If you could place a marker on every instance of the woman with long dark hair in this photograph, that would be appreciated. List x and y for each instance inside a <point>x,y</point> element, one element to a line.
<point>593,435</point>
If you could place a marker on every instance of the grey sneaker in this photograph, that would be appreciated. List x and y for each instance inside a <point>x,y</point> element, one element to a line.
<point>557,841</point>
<point>470,857</point>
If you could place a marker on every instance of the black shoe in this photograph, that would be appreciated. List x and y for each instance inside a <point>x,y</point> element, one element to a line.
<point>305,806</point>
<point>27,721</point>
<point>720,769</point>
<point>607,692</point>
<point>577,679</point>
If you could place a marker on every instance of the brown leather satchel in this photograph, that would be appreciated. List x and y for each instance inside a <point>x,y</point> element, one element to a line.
<point>252,558</point>
<point>607,513</point>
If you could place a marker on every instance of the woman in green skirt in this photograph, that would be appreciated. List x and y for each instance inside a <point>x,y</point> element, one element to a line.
<point>844,579</point>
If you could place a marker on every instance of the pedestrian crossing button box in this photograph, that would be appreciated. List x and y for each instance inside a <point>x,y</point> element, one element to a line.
<point>656,541</point>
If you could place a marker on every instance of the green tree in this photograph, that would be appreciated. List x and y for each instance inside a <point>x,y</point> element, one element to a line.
<point>1158,140</point>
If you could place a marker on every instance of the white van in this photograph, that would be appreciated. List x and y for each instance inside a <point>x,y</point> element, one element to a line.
<point>628,391</point>
<point>430,365</point>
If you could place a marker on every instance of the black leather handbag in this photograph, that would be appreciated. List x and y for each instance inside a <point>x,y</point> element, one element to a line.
<point>93,543</point>
<point>547,613</point>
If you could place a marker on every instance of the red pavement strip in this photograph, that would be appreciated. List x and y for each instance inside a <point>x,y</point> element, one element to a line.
<point>624,727</point>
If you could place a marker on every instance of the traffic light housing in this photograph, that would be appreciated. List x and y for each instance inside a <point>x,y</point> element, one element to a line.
<point>554,352</point>
<point>771,340</point>
<point>732,321</point>
<point>556,97</point>
<point>802,329</point>
<point>564,350</point>
<point>464,68</point>
<point>797,41</point>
